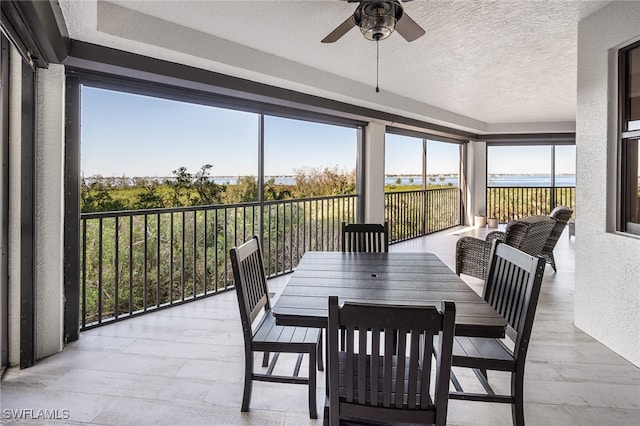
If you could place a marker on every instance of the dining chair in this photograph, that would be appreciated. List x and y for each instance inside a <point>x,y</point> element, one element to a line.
<point>369,381</point>
<point>512,287</point>
<point>365,237</point>
<point>262,334</point>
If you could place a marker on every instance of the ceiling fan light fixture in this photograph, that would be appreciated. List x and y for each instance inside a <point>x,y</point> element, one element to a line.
<point>378,27</point>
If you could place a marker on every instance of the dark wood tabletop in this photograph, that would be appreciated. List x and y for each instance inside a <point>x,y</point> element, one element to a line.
<point>395,278</point>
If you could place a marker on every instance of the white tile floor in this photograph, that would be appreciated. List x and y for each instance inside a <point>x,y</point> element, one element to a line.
<point>184,365</point>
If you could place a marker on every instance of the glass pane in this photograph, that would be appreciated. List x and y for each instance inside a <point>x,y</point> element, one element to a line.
<point>147,143</point>
<point>519,166</point>
<point>306,159</point>
<point>402,162</point>
<point>633,186</point>
<point>443,163</point>
<point>634,89</point>
<point>566,165</point>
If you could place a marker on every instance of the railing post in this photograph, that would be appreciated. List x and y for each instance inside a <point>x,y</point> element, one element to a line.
<point>424,211</point>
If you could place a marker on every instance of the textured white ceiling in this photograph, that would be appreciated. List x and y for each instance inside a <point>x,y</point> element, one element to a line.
<point>486,66</point>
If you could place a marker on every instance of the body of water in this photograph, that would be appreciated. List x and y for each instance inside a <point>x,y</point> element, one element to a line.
<point>494,180</point>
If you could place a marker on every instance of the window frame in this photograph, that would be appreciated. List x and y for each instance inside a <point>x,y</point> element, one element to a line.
<point>76,78</point>
<point>625,139</point>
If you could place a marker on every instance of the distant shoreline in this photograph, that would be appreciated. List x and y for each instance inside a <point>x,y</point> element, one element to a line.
<point>561,179</point>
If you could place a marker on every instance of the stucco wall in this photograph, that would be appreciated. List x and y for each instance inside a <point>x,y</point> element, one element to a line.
<point>479,178</point>
<point>607,295</point>
<point>49,214</point>
<point>13,258</point>
<point>374,173</point>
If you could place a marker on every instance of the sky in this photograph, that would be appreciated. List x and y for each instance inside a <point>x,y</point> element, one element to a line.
<point>530,159</point>
<point>403,156</point>
<point>132,135</point>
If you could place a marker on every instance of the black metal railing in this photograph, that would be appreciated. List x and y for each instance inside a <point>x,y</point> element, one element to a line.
<point>133,262</point>
<point>137,261</point>
<point>413,214</point>
<point>513,202</point>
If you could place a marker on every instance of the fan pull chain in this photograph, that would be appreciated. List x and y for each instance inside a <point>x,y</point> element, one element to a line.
<point>377,63</point>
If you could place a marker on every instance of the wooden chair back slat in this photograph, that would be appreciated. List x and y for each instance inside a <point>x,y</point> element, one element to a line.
<point>362,367</point>
<point>375,365</point>
<point>414,378</point>
<point>426,356</point>
<point>349,364</point>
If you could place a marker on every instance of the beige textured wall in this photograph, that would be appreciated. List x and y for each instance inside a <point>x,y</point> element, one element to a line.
<point>607,295</point>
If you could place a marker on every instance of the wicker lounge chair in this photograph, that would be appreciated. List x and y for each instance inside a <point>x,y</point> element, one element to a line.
<point>529,234</point>
<point>562,215</point>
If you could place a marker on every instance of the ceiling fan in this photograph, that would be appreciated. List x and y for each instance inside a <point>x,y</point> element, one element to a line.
<point>377,19</point>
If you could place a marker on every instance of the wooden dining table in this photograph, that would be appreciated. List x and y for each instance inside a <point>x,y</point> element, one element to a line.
<point>399,278</point>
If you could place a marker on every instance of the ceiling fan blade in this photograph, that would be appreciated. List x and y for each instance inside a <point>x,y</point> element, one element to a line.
<point>408,28</point>
<point>340,31</point>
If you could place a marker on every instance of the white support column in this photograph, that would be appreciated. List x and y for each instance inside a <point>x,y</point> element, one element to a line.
<point>49,214</point>
<point>373,160</point>
<point>15,189</point>
<point>476,190</point>
<point>474,182</point>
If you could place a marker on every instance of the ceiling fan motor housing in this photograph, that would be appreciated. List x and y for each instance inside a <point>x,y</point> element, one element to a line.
<point>377,19</point>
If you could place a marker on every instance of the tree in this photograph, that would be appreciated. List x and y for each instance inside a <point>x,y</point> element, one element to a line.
<point>273,191</point>
<point>208,191</point>
<point>149,198</point>
<point>180,186</point>
<point>95,196</point>
<point>317,183</point>
<point>245,190</point>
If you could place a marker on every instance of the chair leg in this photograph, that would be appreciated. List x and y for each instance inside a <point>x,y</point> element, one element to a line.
<point>265,359</point>
<point>248,380</point>
<point>313,409</point>
<point>517,408</point>
<point>319,354</point>
<point>553,262</point>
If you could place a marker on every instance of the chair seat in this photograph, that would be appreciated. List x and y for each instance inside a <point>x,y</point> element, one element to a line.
<point>482,353</point>
<point>269,336</point>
